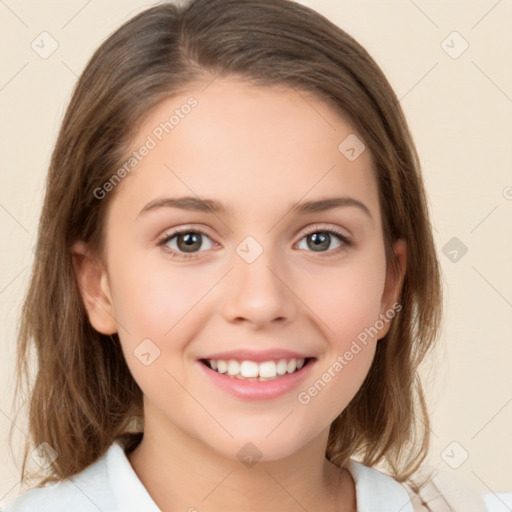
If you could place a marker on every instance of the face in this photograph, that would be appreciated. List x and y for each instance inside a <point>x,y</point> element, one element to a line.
<point>245,242</point>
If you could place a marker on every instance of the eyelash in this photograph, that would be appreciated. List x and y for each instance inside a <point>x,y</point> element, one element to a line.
<point>346,242</point>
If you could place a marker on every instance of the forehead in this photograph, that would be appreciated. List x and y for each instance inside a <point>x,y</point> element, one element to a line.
<point>248,146</point>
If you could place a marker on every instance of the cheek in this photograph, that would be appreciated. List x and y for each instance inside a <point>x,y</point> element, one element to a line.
<point>151,298</point>
<point>348,303</point>
<point>347,298</point>
<point>349,311</point>
<point>164,303</point>
<point>156,308</point>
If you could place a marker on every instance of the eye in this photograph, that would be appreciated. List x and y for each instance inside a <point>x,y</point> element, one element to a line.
<point>324,240</point>
<point>186,241</point>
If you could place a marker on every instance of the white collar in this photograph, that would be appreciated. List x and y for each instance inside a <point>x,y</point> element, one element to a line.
<point>129,492</point>
<point>375,491</point>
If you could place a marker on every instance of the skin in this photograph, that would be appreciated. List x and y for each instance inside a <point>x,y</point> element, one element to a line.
<point>257,151</point>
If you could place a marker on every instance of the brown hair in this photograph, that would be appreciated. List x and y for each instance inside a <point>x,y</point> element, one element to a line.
<point>84,396</point>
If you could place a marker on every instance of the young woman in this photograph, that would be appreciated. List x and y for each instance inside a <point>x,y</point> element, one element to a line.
<point>235,278</point>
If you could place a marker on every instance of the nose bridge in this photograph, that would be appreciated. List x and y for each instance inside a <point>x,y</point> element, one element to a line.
<point>255,292</point>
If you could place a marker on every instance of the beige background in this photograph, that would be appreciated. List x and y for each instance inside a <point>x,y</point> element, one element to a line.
<point>459,110</point>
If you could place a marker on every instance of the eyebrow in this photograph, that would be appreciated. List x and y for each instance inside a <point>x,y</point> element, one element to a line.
<point>212,206</point>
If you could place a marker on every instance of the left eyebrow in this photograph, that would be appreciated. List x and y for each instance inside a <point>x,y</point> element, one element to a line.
<point>329,204</point>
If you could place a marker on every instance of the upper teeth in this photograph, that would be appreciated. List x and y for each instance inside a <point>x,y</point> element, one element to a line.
<point>248,369</point>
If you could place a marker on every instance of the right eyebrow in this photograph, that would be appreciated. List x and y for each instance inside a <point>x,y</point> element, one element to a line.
<point>185,203</point>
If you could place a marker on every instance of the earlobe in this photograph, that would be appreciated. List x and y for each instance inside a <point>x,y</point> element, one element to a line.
<point>394,279</point>
<point>92,281</point>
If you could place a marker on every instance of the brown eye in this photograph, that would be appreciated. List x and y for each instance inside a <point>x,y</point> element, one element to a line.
<point>187,242</point>
<point>319,241</point>
<point>323,241</point>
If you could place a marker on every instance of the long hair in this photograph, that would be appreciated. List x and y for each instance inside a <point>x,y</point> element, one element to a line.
<point>83,396</point>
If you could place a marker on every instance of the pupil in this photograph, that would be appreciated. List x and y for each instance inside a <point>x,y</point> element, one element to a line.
<point>319,240</point>
<point>189,242</point>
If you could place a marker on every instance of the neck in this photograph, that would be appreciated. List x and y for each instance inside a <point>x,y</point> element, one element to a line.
<point>181,473</point>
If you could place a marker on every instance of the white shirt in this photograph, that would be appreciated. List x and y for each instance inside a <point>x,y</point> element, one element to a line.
<point>111,485</point>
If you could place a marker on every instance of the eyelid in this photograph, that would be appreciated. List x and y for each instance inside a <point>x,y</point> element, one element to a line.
<point>313,228</point>
<point>184,228</point>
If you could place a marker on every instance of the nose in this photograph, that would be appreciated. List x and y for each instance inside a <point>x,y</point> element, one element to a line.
<point>258,294</point>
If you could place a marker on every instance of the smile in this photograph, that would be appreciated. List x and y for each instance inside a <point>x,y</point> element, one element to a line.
<point>263,374</point>
<point>252,370</point>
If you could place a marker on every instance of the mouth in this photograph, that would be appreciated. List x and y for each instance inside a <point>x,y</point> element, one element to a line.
<point>257,371</point>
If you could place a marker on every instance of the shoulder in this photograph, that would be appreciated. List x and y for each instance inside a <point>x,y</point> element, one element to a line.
<point>431,490</point>
<point>87,491</point>
<point>378,492</point>
<point>428,490</point>
<point>110,484</point>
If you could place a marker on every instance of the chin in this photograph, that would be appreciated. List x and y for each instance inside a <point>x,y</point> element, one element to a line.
<point>250,449</point>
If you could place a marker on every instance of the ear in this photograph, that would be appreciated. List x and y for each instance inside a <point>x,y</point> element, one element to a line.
<point>393,286</point>
<point>92,280</point>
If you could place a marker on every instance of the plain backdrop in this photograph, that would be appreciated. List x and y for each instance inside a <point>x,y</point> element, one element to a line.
<point>449,63</point>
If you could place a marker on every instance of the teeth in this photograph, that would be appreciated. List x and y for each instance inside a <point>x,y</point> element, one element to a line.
<point>249,369</point>
<point>222,366</point>
<point>281,367</point>
<point>267,369</point>
<point>233,367</point>
<point>256,371</point>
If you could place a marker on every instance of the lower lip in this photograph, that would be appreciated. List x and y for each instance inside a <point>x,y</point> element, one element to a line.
<point>258,390</point>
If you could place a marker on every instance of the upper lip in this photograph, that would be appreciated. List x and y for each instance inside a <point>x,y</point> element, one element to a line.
<point>258,356</point>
